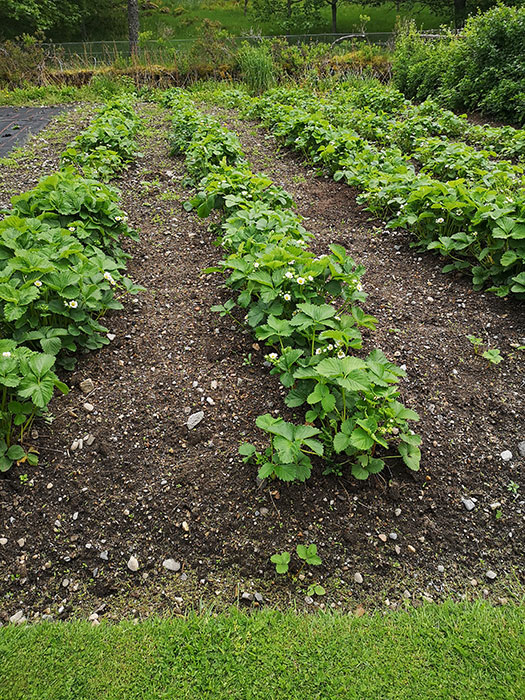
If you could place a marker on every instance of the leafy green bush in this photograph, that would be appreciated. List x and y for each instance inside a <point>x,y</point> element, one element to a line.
<point>85,207</point>
<point>481,69</point>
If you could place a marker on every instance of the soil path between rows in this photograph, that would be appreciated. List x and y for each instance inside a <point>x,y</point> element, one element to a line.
<point>150,488</point>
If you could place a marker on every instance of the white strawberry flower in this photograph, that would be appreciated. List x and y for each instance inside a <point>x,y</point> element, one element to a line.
<point>301,280</point>
<point>6,354</point>
<point>37,283</point>
<point>73,304</point>
<point>289,275</point>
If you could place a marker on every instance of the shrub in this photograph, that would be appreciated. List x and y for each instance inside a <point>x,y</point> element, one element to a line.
<point>481,69</point>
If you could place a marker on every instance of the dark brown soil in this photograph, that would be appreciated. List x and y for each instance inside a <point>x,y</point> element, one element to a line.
<point>148,487</point>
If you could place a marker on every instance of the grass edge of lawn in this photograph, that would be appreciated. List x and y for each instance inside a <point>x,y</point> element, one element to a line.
<point>453,650</point>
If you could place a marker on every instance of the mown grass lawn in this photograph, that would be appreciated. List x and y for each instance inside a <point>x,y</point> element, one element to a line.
<point>452,651</point>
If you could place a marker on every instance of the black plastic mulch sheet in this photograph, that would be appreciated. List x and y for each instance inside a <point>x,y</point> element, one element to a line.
<point>17,123</point>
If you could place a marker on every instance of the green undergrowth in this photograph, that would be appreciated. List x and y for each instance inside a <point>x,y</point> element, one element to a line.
<point>459,651</point>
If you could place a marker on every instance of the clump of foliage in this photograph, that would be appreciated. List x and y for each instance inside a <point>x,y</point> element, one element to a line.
<point>480,69</point>
<point>257,68</point>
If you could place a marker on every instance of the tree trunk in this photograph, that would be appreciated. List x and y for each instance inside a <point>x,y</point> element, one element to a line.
<point>133,26</point>
<point>460,13</point>
<point>288,8</point>
<point>245,7</point>
<point>334,16</point>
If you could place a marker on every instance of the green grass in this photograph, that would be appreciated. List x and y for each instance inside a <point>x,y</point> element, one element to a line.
<point>450,652</point>
<point>230,15</point>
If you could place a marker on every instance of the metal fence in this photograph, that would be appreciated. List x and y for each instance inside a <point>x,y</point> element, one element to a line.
<point>93,53</point>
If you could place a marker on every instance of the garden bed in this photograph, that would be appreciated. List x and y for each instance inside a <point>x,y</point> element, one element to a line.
<point>149,488</point>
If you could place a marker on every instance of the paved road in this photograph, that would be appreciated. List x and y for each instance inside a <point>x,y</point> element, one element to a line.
<point>17,123</point>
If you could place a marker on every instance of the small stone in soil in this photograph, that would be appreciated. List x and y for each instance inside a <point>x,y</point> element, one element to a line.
<point>383,538</point>
<point>441,568</point>
<point>469,505</point>
<point>195,419</point>
<point>308,600</point>
<point>258,597</point>
<point>397,512</point>
<point>393,535</point>
<point>104,555</point>
<point>86,386</point>
<point>358,577</point>
<point>495,505</point>
<point>21,542</point>
<point>171,564</point>
<point>3,540</point>
<point>88,407</point>
<point>247,597</point>
<point>521,448</point>
<point>133,564</point>
<point>491,574</point>
<point>411,549</point>
<point>17,618</point>
<point>264,511</point>
<point>506,455</point>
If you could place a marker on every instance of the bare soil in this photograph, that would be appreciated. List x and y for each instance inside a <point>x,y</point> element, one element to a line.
<point>150,488</point>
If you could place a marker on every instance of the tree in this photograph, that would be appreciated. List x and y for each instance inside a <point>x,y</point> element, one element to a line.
<point>133,26</point>
<point>334,5</point>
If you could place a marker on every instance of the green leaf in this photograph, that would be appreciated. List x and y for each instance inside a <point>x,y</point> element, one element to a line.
<point>51,346</point>
<point>508,258</point>
<point>41,364</point>
<point>411,455</point>
<point>15,452</point>
<point>361,439</point>
<point>247,449</point>
<point>341,442</point>
<point>5,464</point>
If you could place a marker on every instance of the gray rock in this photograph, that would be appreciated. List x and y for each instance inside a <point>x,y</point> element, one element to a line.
<point>495,505</point>
<point>258,597</point>
<point>521,449</point>
<point>393,535</point>
<point>89,440</point>
<point>506,455</point>
<point>171,565</point>
<point>491,574</point>
<point>264,511</point>
<point>195,419</point>
<point>358,578</point>
<point>3,540</point>
<point>88,407</point>
<point>397,512</point>
<point>18,618</point>
<point>469,505</point>
<point>441,568</point>
<point>247,597</point>
<point>21,542</point>
<point>65,583</point>
<point>133,564</point>
<point>308,600</point>
<point>104,555</point>
<point>87,386</point>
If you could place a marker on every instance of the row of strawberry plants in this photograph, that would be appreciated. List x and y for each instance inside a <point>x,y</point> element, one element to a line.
<point>60,271</point>
<point>480,229</point>
<point>444,159</point>
<point>384,115</point>
<point>304,308</point>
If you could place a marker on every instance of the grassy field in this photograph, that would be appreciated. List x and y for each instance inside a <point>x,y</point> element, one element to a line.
<point>454,651</point>
<point>230,14</point>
